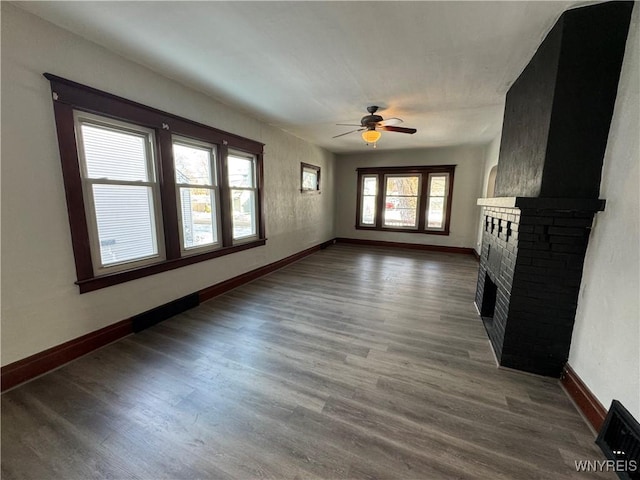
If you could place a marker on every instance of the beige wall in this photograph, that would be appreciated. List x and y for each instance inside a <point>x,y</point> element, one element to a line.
<point>492,152</point>
<point>605,348</point>
<point>41,306</point>
<point>466,189</point>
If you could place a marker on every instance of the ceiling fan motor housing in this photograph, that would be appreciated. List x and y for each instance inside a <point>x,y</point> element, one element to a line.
<point>368,120</point>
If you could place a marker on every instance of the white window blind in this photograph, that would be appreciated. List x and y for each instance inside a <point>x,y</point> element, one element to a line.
<point>120,191</point>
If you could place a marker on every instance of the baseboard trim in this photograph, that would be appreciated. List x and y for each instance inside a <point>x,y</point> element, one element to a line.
<point>475,254</point>
<point>585,400</point>
<point>413,246</point>
<point>28,368</point>
<point>40,363</point>
<point>223,287</point>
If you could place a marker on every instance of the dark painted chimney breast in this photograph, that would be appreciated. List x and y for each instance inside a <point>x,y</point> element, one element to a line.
<point>558,112</point>
<point>536,230</point>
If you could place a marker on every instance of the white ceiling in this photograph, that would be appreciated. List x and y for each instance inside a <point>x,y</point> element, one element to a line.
<point>444,67</point>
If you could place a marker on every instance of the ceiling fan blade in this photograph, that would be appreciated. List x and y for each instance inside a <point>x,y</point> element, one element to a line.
<point>398,129</point>
<point>349,124</point>
<point>388,122</point>
<point>347,133</point>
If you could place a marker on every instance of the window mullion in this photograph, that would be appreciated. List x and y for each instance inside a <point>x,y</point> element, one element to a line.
<point>226,220</point>
<point>166,181</point>
<point>380,199</point>
<point>259,178</point>
<point>423,201</point>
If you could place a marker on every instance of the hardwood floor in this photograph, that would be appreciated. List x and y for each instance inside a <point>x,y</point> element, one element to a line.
<point>352,363</point>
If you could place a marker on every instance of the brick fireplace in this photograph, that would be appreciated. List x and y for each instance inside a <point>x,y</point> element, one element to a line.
<point>536,229</point>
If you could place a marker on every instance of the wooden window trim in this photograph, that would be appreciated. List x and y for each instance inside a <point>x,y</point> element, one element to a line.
<point>69,96</point>
<point>380,172</point>
<point>311,167</point>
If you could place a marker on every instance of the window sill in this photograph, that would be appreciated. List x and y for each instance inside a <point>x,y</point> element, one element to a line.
<point>96,283</point>
<point>310,191</point>
<point>403,230</point>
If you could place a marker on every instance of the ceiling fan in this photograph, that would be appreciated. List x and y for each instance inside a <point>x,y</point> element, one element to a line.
<point>370,124</point>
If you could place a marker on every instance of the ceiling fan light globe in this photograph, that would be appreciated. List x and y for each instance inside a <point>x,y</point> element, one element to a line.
<point>371,136</point>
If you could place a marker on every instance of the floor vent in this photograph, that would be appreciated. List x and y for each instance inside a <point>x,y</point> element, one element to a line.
<point>619,439</point>
<point>168,310</point>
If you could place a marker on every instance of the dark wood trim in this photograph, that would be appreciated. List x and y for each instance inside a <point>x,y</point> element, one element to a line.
<point>168,194</point>
<point>28,368</point>
<point>424,171</point>
<point>73,190</point>
<point>67,96</point>
<point>358,199</point>
<point>220,288</point>
<point>412,246</point>
<point>52,358</point>
<point>403,230</point>
<point>476,254</point>
<point>97,283</point>
<point>260,172</point>
<point>226,217</point>
<point>312,167</point>
<point>447,224</point>
<point>408,169</point>
<point>422,201</point>
<point>584,399</point>
<point>101,102</point>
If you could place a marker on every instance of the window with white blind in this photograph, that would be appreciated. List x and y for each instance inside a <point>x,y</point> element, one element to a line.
<point>148,191</point>
<point>413,199</point>
<point>121,192</point>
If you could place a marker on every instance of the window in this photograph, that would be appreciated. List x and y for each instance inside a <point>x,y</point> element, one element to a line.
<point>242,180</point>
<point>437,200</point>
<point>369,186</point>
<point>148,191</point>
<point>121,193</point>
<point>405,199</point>
<point>195,171</point>
<point>401,198</point>
<point>309,178</point>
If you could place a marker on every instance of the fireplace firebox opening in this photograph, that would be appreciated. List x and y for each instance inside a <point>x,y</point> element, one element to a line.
<point>488,301</point>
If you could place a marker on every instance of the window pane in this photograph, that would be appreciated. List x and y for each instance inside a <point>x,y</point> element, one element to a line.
<point>438,186</point>
<point>400,211</point>
<point>309,179</point>
<point>402,185</point>
<point>370,186</point>
<point>435,215</point>
<point>243,203</point>
<point>126,222</point>
<point>368,210</point>
<point>116,155</point>
<point>193,164</point>
<point>240,171</point>
<point>198,217</point>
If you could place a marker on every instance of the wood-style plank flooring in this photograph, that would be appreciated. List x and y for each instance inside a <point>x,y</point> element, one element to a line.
<point>352,363</point>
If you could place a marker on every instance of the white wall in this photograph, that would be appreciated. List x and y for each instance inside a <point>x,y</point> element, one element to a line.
<point>605,349</point>
<point>41,306</point>
<point>492,152</point>
<point>466,189</point>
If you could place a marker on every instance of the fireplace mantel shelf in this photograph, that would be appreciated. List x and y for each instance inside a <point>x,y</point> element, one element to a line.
<point>581,204</point>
